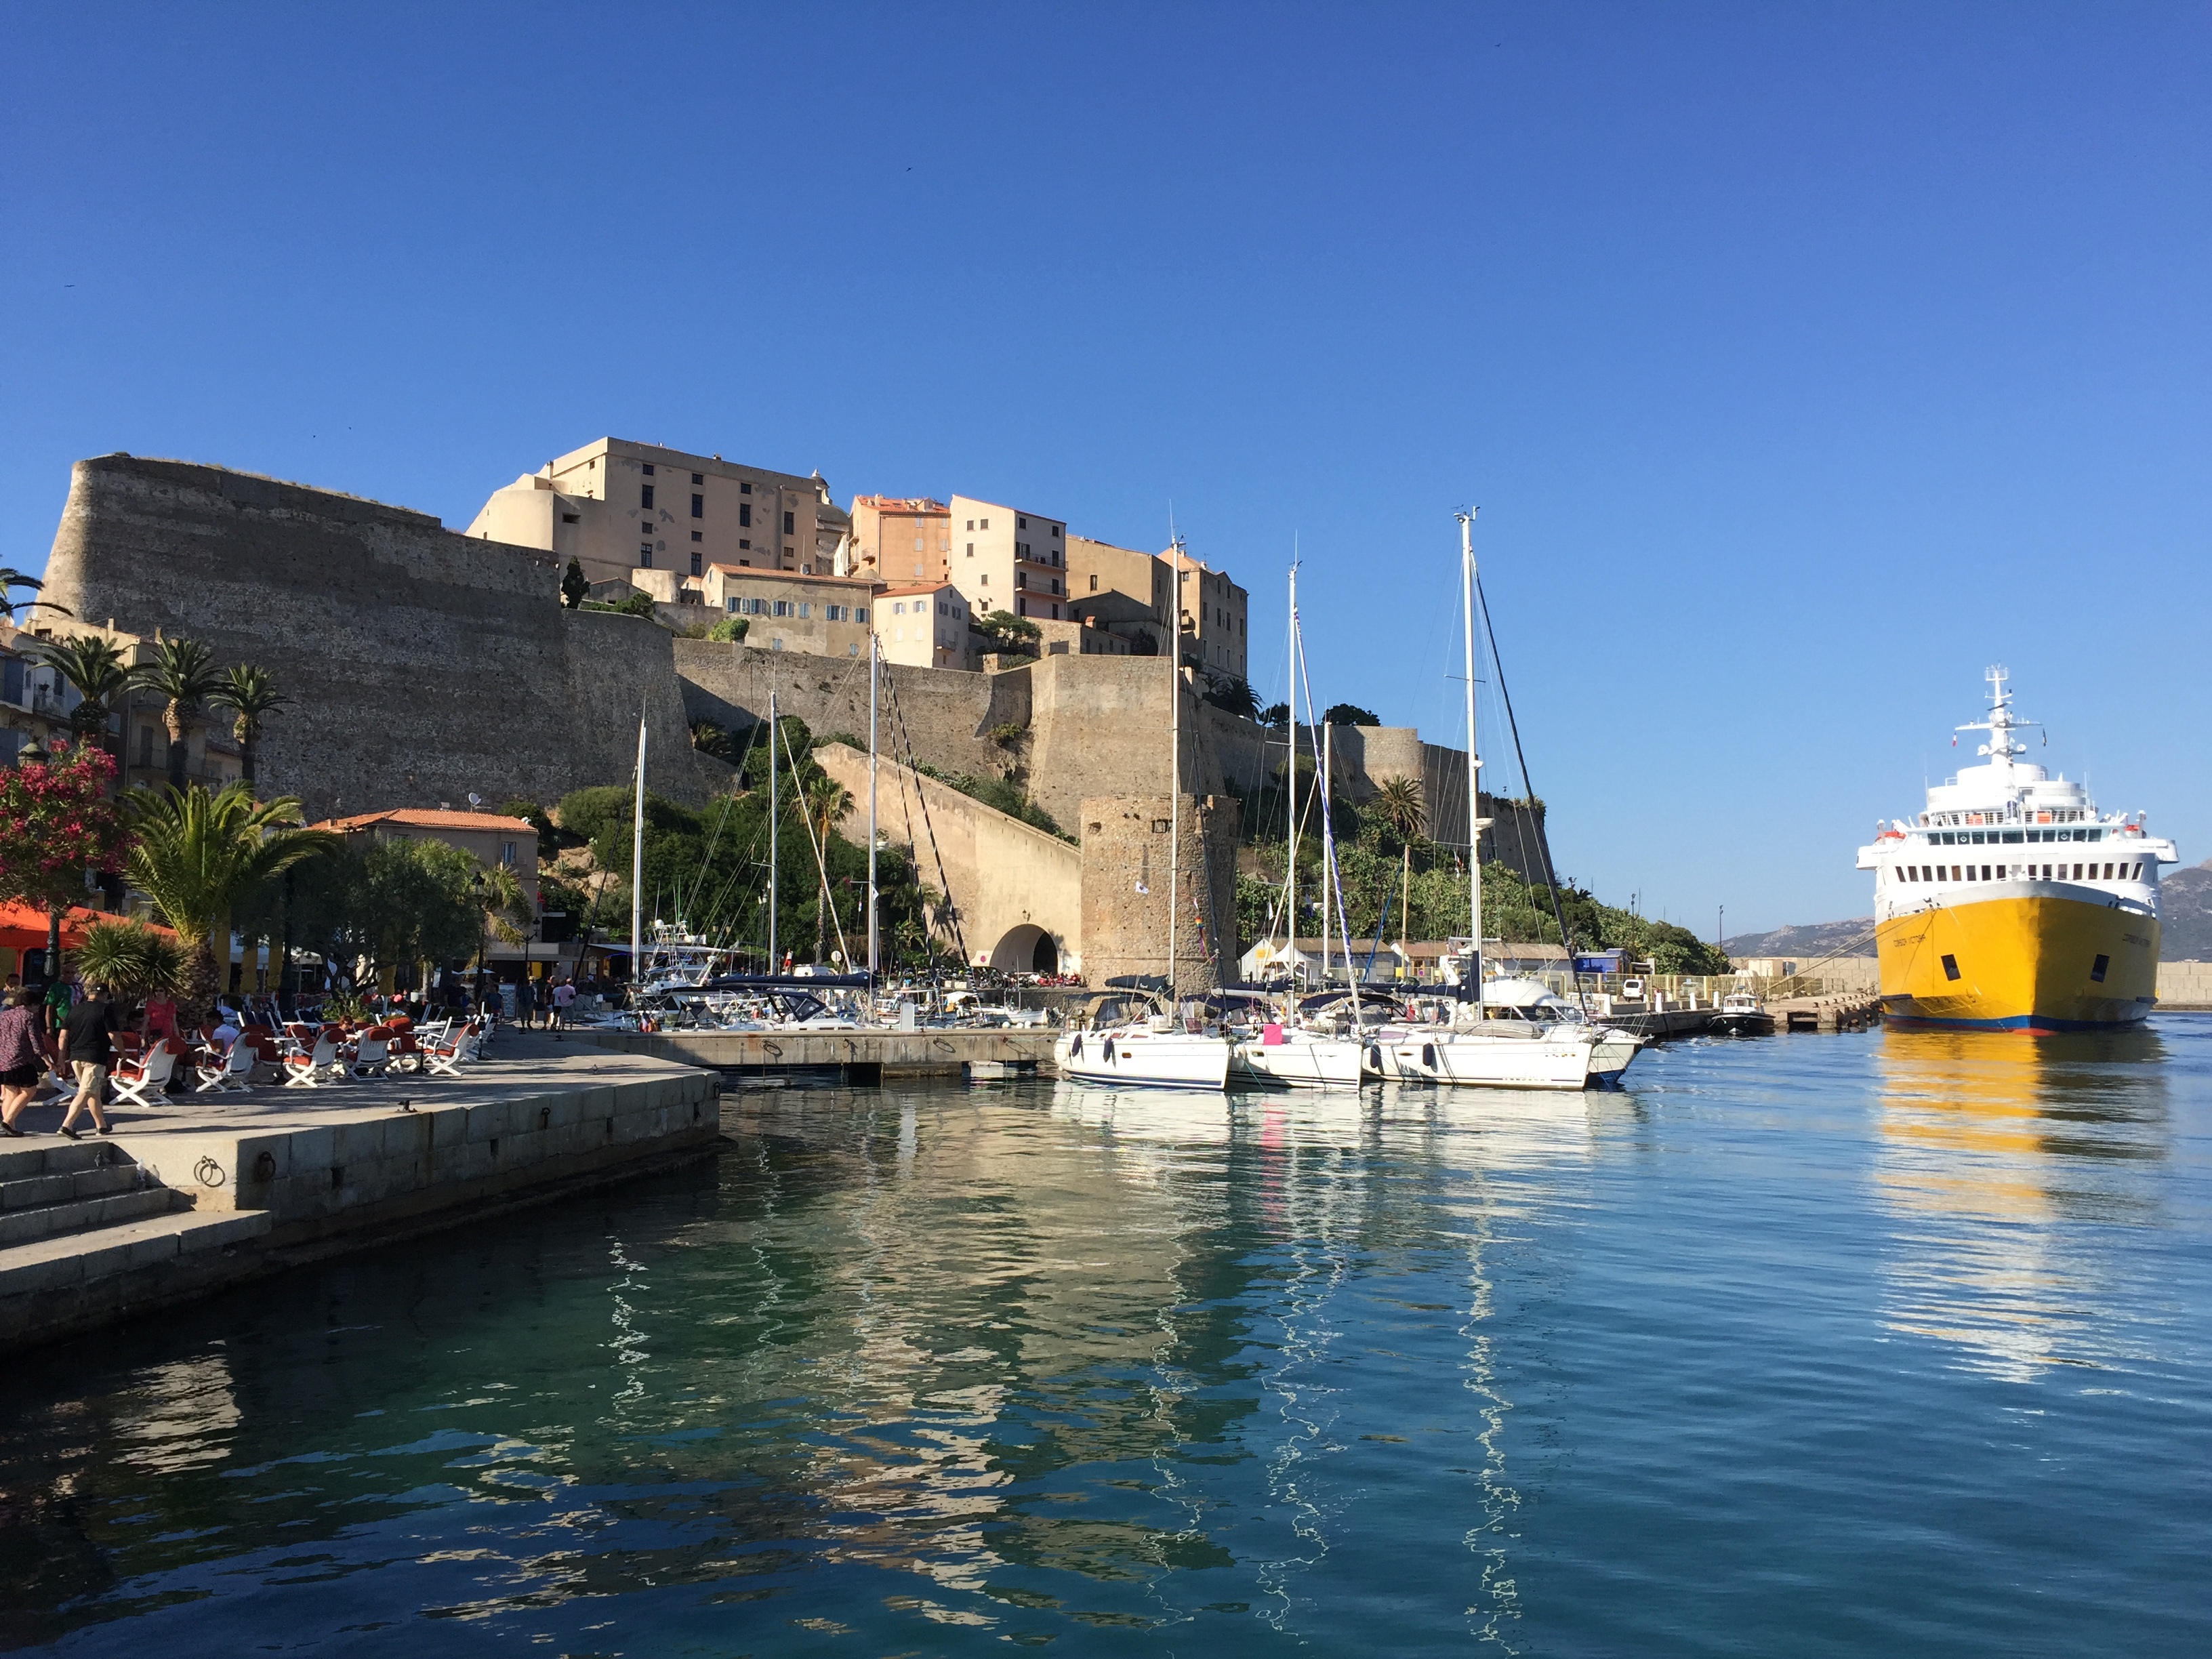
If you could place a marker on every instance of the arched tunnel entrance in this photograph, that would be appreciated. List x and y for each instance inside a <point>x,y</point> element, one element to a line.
<point>1027,949</point>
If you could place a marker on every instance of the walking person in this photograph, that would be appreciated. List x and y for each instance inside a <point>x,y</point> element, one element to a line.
<point>544,987</point>
<point>563,995</point>
<point>22,1057</point>
<point>87,1045</point>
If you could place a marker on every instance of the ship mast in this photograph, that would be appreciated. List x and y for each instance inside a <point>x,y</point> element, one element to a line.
<point>1174,756</point>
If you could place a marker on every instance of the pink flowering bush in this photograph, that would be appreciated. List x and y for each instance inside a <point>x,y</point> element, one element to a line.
<point>56,823</point>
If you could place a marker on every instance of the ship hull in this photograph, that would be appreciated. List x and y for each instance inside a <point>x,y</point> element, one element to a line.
<point>2022,956</point>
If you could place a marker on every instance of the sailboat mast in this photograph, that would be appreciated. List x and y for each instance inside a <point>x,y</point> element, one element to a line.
<point>871,804</point>
<point>1291,754</point>
<point>774,961</point>
<point>637,867</point>
<point>1175,752</point>
<point>1473,760</point>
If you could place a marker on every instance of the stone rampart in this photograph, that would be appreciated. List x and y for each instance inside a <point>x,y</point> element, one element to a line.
<point>422,664</point>
<point>946,714</point>
<point>1127,894</point>
<point>1014,886</point>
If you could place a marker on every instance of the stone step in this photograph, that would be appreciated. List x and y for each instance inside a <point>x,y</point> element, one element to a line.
<point>86,1214</point>
<point>75,1259</point>
<point>39,1155</point>
<point>63,1185</point>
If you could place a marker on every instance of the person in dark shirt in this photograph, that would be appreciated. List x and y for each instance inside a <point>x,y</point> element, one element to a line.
<point>85,1044</point>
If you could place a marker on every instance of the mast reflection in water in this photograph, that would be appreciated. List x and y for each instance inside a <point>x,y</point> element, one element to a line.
<point>1863,1344</point>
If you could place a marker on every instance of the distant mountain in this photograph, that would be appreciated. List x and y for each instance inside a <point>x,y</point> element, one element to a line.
<point>2185,907</point>
<point>2185,911</point>
<point>1808,941</point>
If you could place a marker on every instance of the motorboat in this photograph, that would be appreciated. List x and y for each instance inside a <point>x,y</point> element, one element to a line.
<point>1739,1015</point>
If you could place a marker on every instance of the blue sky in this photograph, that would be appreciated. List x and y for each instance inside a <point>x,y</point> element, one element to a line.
<point>1801,360</point>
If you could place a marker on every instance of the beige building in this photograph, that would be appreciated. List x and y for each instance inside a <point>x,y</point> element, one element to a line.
<point>1004,559</point>
<point>1081,639</point>
<point>615,507</point>
<point>899,539</point>
<point>827,616</point>
<point>35,704</point>
<point>1213,616</point>
<point>1126,592</point>
<point>489,838</point>
<point>925,625</point>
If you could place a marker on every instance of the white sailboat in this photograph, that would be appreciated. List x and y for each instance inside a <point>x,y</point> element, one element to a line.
<point>1286,1053</point>
<point>1514,1034</point>
<point>1161,1051</point>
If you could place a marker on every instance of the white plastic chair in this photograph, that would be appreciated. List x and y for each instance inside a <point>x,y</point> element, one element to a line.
<point>139,1081</point>
<point>371,1052</point>
<point>234,1075</point>
<point>446,1059</point>
<point>309,1068</point>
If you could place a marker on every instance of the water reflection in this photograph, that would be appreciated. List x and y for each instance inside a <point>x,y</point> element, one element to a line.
<point>1992,1144</point>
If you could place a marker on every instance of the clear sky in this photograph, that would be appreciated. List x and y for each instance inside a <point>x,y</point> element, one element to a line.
<point>1802,359</point>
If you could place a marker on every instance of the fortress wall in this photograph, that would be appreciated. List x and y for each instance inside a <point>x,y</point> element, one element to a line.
<point>422,664</point>
<point>1124,848</point>
<point>948,712</point>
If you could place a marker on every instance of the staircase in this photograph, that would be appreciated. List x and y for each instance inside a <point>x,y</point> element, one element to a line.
<point>80,1217</point>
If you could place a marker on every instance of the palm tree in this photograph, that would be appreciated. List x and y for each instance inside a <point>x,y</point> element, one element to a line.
<point>251,694</point>
<point>11,579</point>
<point>199,855</point>
<point>90,665</point>
<point>183,675</point>
<point>826,804</point>
<point>1399,801</point>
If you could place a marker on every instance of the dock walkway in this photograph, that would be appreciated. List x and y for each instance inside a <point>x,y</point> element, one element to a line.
<point>207,1190</point>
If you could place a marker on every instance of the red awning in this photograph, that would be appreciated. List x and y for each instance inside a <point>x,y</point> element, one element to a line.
<point>23,927</point>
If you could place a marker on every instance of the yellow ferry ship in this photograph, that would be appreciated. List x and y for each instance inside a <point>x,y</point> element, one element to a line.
<point>2011,904</point>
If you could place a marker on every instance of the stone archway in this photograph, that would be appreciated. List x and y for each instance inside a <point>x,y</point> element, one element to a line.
<point>1027,949</point>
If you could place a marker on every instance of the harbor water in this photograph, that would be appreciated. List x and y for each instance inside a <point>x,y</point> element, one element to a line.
<point>1890,1343</point>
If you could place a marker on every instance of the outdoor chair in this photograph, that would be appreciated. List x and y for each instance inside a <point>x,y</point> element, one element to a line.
<point>371,1052</point>
<point>141,1081</point>
<point>404,1052</point>
<point>310,1067</point>
<point>226,1073</point>
<point>446,1059</point>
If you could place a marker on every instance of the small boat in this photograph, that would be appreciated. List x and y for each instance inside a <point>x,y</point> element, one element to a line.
<point>1739,1015</point>
<point>1519,1037</point>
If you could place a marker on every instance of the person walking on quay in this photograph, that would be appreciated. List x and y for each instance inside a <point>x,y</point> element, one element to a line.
<point>58,1005</point>
<point>87,1045</point>
<point>545,990</point>
<point>563,995</point>
<point>22,1057</point>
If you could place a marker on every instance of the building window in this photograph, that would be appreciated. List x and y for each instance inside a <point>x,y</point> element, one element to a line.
<point>899,608</point>
<point>744,488</point>
<point>696,479</point>
<point>697,565</point>
<point>982,524</point>
<point>648,469</point>
<point>983,580</point>
<point>570,518</point>
<point>645,556</point>
<point>698,535</point>
<point>731,605</point>
<point>644,496</point>
<point>745,541</point>
<point>917,543</point>
<point>1020,523</point>
<point>783,607</point>
<point>1055,530</point>
<point>860,613</point>
<point>745,514</point>
<point>507,854</point>
<point>802,607</point>
<point>1094,584</point>
<point>775,645</point>
<point>971,549</point>
<point>698,505</point>
<point>145,745</point>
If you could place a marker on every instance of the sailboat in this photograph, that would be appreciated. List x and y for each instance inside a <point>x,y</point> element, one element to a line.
<point>1162,1051</point>
<point>1513,1034</point>
<point>1288,1052</point>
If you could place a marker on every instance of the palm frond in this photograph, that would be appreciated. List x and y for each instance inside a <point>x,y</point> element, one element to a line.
<point>198,855</point>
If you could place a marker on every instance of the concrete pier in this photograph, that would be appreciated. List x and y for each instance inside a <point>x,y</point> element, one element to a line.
<point>206,1190</point>
<point>862,1056</point>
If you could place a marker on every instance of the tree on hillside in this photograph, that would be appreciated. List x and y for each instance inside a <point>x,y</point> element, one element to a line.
<point>1348,714</point>
<point>199,856</point>
<point>90,665</point>
<point>1004,631</point>
<point>1276,714</point>
<point>56,823</point>
<point>1397,801</point>
<point>575,587</point>
<point>183,675</point>
<point>251,694</point>
<point>827,803</point>
<point>1228,691</point>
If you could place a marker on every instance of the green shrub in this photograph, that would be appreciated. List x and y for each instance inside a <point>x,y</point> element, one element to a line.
<point>731,630</point>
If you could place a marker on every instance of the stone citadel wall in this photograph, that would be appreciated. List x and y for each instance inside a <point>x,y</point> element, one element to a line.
<point>421,665</point>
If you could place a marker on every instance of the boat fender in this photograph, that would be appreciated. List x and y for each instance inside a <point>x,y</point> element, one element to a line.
<point>1075,1047</point>
<point>1271,1034</point>
<point>1108,1055</point>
